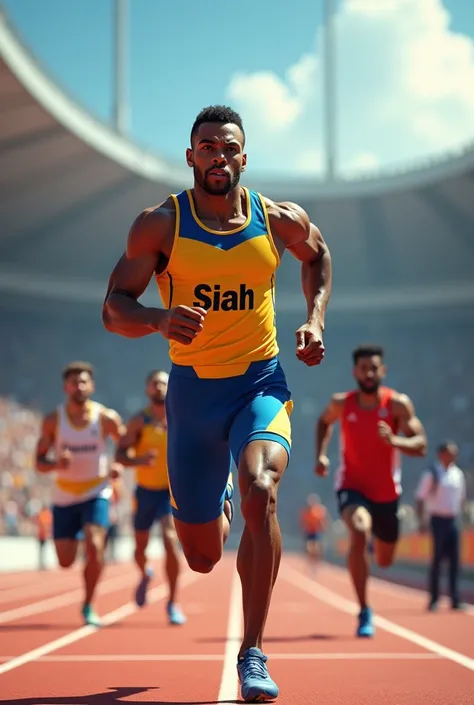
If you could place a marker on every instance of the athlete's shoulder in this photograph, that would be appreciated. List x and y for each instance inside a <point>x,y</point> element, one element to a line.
<point>286,212</point>
<point>150,227</point>
<point>339,399</point>
<point>399,400</point>
<point>291,224</point>
<point>141,418</point>
<point>107,413</point>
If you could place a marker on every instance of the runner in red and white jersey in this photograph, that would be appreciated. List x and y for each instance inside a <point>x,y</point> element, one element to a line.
<point>368,480</point>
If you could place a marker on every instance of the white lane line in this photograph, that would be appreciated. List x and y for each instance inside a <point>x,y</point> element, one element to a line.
<point>407,592</point>
<point>51,586</point>
<point>68,598</point>
<point>155,595</point>
<point>229,681</point>
<point>53,582</point>
<point>349,656</point>
<point>330,597</point>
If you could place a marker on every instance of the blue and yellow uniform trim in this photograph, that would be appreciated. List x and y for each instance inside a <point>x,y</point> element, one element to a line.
<point>226,388</point>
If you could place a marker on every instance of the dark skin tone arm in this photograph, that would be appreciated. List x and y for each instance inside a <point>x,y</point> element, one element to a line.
<point>149,246</point>
<point>129,441</point>
<point>45,443</point>
<point>324,427</point>
<point>291,227</point>
<point>414,442</point>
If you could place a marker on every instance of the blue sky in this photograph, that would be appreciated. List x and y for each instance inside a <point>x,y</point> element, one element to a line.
<point>265,59</point>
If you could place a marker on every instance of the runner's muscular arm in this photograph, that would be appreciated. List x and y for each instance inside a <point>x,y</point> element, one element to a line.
<point>130,441</point>
<point>45,443</point>
<point>121,312</point>
<point>292,226</point>
<point>146,251</point>
<point>324,427</point>
<point>415,442</point>
<point>112,424</point>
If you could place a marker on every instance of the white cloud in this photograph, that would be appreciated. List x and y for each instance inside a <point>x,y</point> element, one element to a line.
<point>405,90</point>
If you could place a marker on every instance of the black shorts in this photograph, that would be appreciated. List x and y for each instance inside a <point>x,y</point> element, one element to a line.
<point>385,521</point>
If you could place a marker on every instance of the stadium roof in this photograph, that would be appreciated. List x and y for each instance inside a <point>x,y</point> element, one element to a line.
<point>71,186</point>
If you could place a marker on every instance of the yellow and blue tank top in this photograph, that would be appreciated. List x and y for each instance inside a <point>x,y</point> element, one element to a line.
<point>232,275</point>
<point>153,436</point>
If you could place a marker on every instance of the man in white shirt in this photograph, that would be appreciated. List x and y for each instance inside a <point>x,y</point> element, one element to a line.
<point>76,433</point>
<point>441,494</point>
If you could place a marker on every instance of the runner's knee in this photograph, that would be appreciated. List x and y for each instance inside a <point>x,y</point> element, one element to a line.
<point>95,547</point>
<point>200,564</point>
<point>66,560</point>
<point>259,501</point>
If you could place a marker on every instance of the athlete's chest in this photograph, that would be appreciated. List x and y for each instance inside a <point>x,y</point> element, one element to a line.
<point>153,435</point>
<point>221,258</point>
<point>357,421</point>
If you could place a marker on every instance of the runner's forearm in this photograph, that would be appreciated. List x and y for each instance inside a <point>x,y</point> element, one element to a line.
<point>123,315</point>
<point>414,446</point>
<point>316,277</point>
<point>323,437</point>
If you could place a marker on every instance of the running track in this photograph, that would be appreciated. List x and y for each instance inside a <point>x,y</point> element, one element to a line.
<point>47,658</point>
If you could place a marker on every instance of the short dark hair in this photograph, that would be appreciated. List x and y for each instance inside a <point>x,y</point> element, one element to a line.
<point>446,444</point>
<point>77,367</point>
<point>154,373</point>
<point>367,350</point>
<point>217,113</point>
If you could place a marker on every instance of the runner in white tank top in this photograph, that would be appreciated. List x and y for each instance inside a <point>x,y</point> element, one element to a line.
<point>77,431</point>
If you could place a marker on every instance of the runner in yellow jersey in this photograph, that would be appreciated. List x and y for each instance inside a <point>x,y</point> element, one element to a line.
<point>144,448</point>
<point>214,250</point>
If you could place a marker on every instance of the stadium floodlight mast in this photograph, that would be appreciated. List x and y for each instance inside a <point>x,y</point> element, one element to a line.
<point>121,103</point>
<point>329,97</point>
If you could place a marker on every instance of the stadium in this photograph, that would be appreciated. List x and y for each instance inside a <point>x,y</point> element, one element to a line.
<point>402,245</point>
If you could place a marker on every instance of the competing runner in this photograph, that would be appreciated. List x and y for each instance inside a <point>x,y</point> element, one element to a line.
<point>144,447</point>
<point>214,250</point>
<point>313,520</point>
<point>368,481</point>
<point>76,432</point>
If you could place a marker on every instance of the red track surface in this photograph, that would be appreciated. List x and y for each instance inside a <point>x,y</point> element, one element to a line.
<point>47,658</point>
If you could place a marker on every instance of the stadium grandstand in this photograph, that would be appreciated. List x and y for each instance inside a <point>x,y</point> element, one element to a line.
<point>403,256</point>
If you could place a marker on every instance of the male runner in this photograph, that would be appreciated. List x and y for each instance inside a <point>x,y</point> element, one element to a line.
<point>214,250</point>
<point>77,431</point>
<point>368,481</point>
<point>313,519</point>
<point>144,447</point>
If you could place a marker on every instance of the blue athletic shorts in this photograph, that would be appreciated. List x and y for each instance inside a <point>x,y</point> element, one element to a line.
<point>210,422</point>
<point>314,537</point>
<point>69,521</point>
<point>150,506</point>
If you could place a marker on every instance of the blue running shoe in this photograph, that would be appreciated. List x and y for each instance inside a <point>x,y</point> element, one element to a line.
<point>140,592</point>
<point>90,616</point>
<point>256,686</point>
<point>365,627</point>
<point>175,616</point>
<point>229,493</point>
